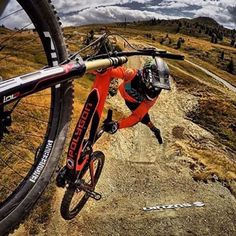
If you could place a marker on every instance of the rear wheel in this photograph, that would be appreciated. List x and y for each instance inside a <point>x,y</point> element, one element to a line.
<point>31,148</point>
<point>74,198</point>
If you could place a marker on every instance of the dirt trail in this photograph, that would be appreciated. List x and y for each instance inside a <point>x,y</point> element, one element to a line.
<point>217,78</point>
<point>141,173</point>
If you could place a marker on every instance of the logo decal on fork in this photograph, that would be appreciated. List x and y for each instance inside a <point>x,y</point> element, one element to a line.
<point>53,52</point>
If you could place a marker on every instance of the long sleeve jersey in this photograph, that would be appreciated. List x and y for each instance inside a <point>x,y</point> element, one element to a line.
<point>130,90</point>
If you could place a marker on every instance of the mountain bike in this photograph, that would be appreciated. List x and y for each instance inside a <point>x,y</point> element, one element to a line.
<point>83,165</point>
<point>35,107</point>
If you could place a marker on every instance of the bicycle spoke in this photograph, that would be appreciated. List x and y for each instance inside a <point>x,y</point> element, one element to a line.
<point>4,186</point>
<point>12,13</point>
<point>32,117</point>
<point>33,150</point>
<point>19,46</point>
<point>10,150</point>
<point>16,172</point>
<point>35,105</point>
<point>15,33</point>
<point>40,95</point>
<point>27,135</point>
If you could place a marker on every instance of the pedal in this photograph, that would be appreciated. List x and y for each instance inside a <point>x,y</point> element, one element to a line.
<point>94,195</point>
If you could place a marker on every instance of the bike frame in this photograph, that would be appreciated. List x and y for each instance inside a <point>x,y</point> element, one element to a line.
<point>16,88</point>
<point>21,86</point>
<point>91,114</point>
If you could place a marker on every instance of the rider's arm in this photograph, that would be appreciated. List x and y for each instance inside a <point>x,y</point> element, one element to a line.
<point>123,73</point>
<point>119,72</point>
<point>136,115</point>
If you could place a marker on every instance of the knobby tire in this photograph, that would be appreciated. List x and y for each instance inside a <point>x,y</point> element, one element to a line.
<point>17,205</point>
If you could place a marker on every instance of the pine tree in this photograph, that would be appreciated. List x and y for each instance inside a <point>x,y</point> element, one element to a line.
<point>179,42</point>
<point>230,67</point>
<point>222,55</point>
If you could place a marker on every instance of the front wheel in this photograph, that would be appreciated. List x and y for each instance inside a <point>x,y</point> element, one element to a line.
<point>37,125</point>
<point>74,198</point>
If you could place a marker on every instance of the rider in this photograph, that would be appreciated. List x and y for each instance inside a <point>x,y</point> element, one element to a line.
<point>140,90</point>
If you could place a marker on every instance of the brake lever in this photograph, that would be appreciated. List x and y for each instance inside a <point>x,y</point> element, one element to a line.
<point>109,116</point>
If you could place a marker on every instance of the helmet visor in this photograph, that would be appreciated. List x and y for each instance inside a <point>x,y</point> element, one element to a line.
<point>162,80</point>
<point>154,78</point>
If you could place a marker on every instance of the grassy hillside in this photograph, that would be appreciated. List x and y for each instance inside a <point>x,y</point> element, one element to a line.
<point>196,46</point>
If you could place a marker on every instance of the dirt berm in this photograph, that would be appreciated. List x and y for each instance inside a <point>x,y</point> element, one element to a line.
<point>141,173</point>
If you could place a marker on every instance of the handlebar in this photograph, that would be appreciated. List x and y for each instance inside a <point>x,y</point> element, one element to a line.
<point>118,58</point>
<point>48,77</point>
<point>105,63</point>
<point>153,53</point>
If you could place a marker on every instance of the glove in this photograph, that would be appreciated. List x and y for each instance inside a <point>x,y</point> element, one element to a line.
<point>110,127</point>
<point>157,133</point>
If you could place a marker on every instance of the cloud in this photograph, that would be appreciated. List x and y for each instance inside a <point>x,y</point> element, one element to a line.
<point>76,12</point>
<point>19,19</point>
<point>74,5</point>
<point>232,12</point>
<point>111,14</point>
<point>166,5</point>
<point>216,9</point>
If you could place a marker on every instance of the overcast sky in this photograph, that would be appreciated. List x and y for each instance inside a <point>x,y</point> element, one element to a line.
<point>79,12</point>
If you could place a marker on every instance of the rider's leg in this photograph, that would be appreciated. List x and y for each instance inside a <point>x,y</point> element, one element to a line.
<point>147,121</point>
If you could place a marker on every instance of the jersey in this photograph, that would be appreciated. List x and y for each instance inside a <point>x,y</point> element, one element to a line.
<point>131,91</point>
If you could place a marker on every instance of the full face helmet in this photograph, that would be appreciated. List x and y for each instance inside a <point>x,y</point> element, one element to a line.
<point>155,77</point>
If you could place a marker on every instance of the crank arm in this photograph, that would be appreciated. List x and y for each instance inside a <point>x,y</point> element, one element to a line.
<point>93,194</point>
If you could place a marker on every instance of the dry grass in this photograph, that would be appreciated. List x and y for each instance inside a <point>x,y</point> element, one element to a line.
<point>211,163</point>
<point>198,50</point>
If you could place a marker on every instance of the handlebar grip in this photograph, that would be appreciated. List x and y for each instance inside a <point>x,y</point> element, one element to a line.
<point>170,56</point>
<point>105,63</point>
